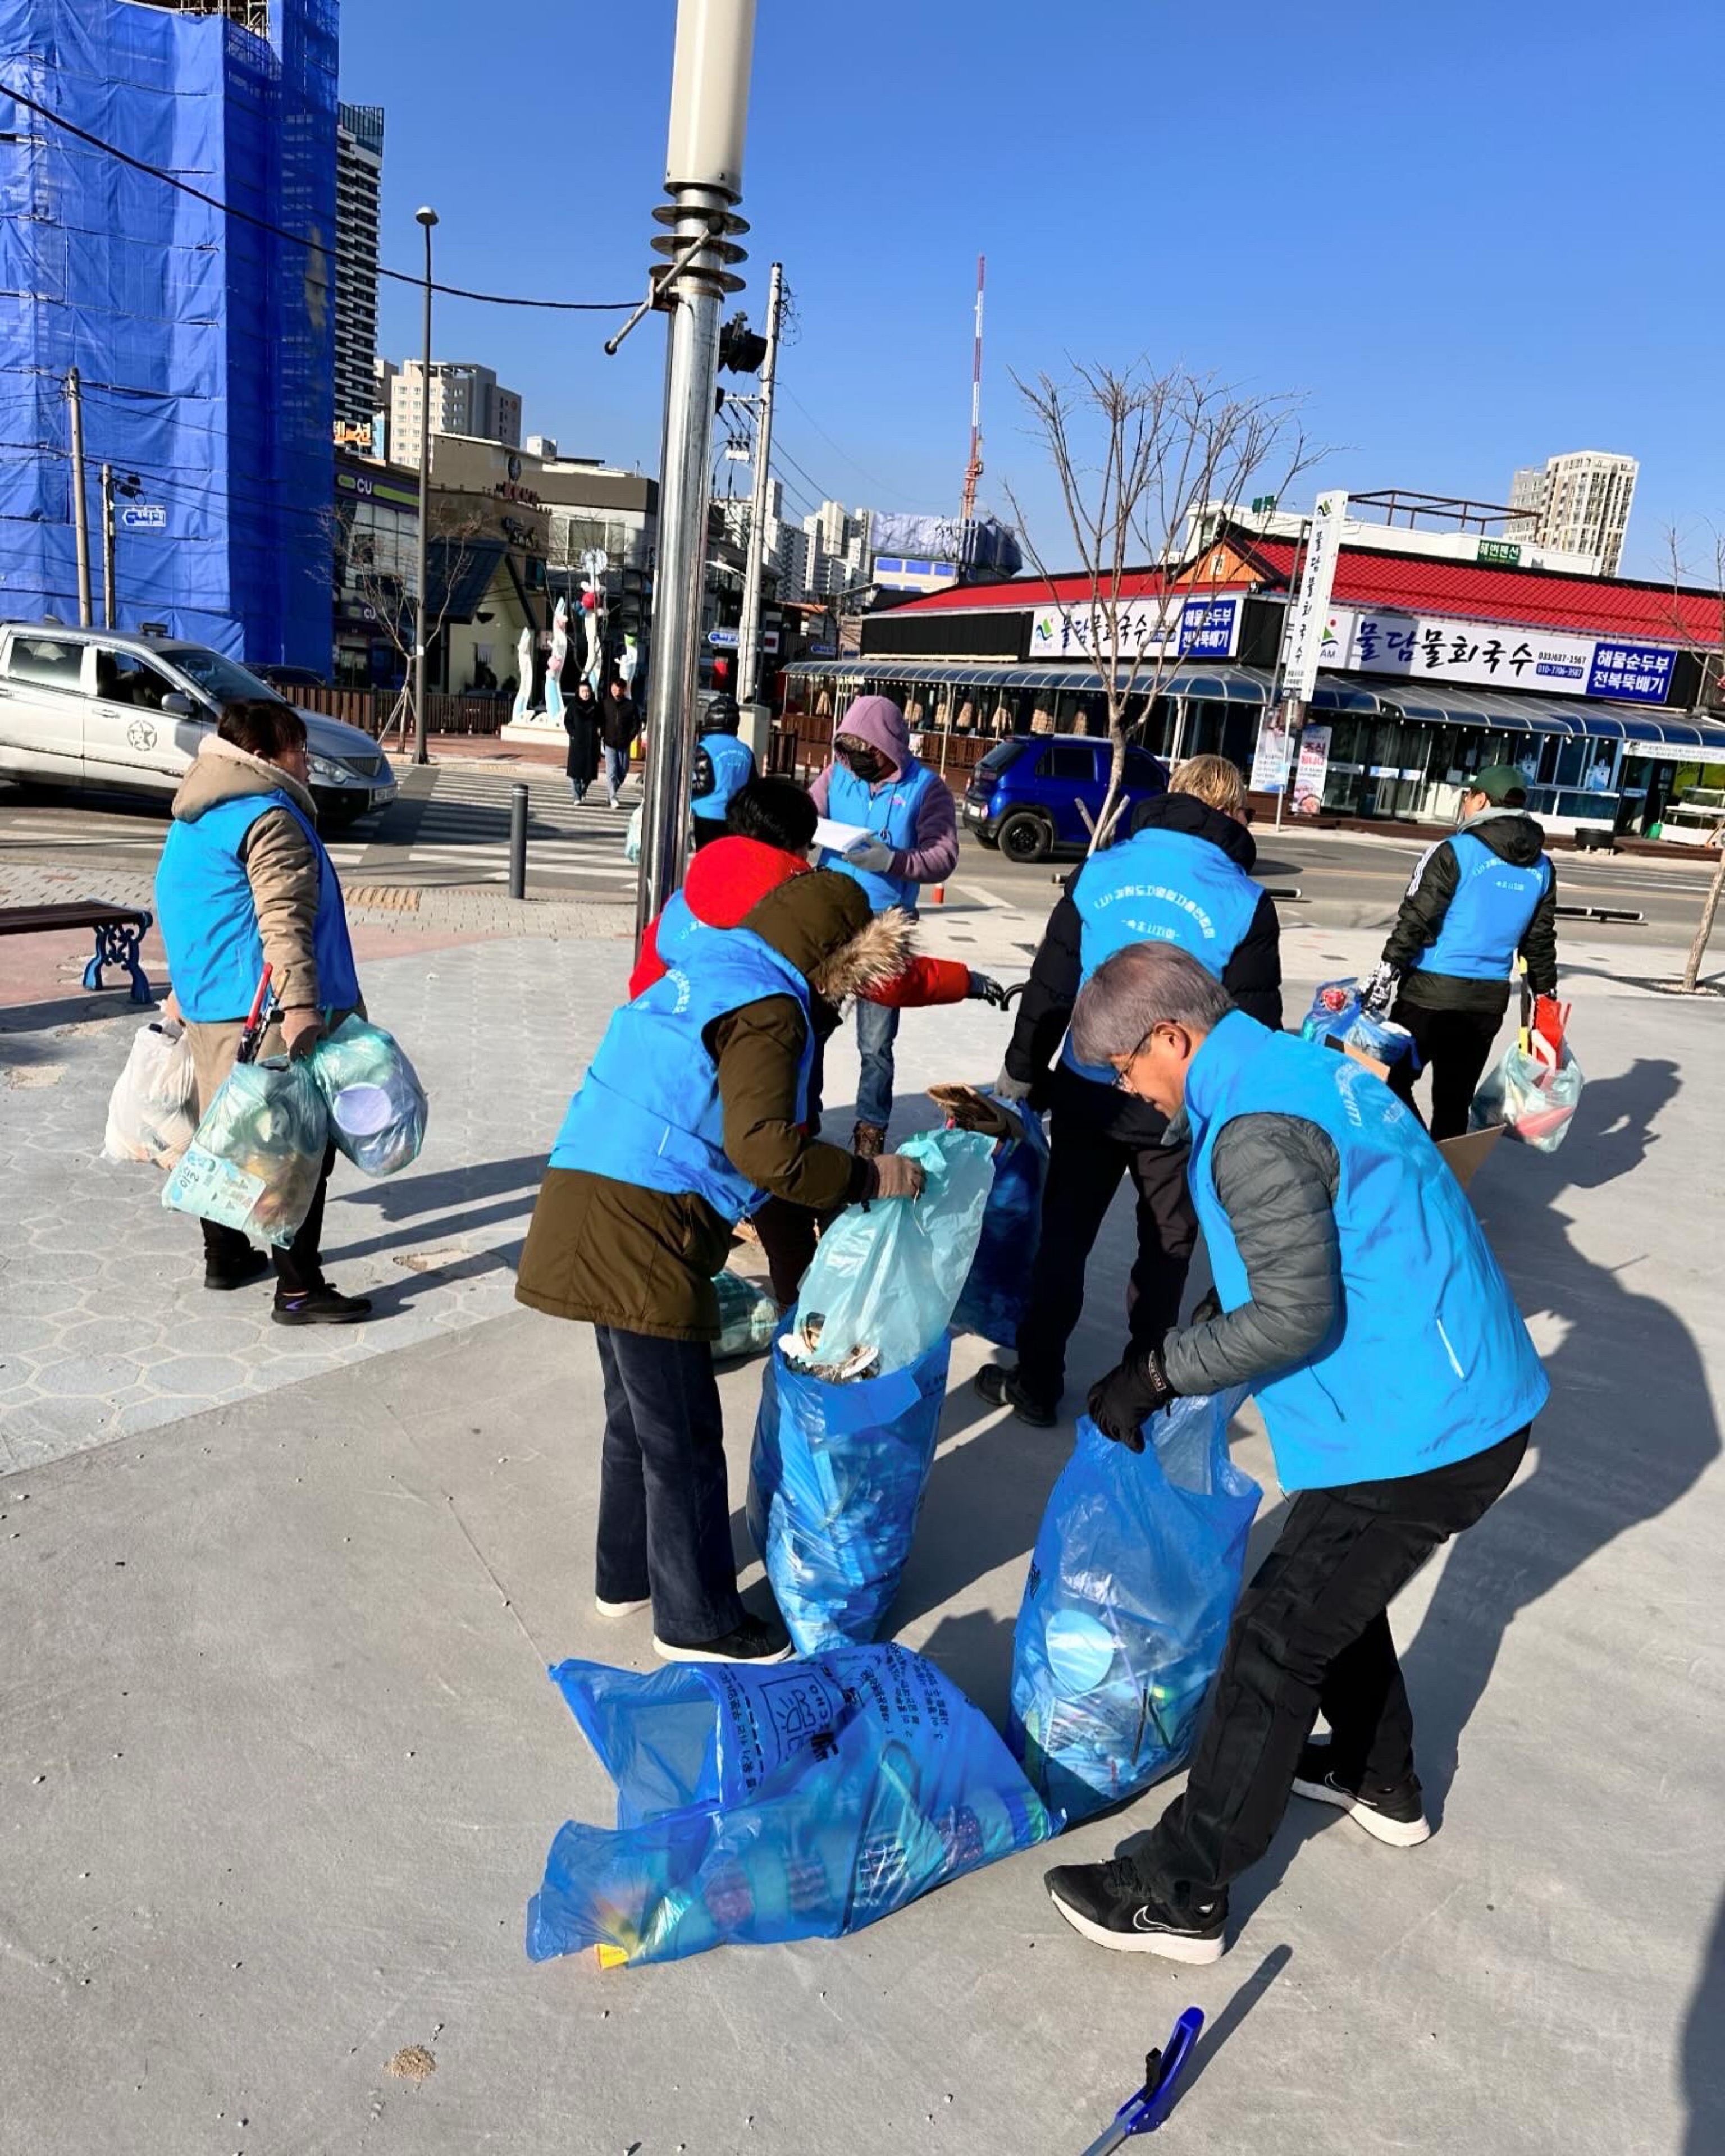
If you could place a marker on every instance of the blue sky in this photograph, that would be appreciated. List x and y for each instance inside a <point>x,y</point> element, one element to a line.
<point>1472,234</point>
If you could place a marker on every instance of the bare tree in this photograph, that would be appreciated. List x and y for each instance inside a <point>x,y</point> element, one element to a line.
<point>1711,689</point>
<point>1138,455</point>
<point>383,591</point>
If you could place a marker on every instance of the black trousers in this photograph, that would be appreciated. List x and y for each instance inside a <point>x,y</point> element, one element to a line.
<point>1085,1166</point>
<point>298,1268</point>
<point>664,1509</point>
<point>1456,1044</point>
<point>1311,1631</point>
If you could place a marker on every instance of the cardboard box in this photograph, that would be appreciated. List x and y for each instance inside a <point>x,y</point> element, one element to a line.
<point>1464,1154</point>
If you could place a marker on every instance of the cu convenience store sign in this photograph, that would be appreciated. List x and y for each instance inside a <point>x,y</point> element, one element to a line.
<point>1434,648</point>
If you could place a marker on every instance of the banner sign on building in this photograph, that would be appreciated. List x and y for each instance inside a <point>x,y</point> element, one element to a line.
<point>1149,628</point>
<point>1302,639</point>
<point>1439,649</point>
<point>1270,757</point>
<point>1310,770</point>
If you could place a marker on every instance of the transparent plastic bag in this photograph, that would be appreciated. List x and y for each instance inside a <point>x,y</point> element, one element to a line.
<point>1536,1103</point>
<point>153,1110</point>
<point>883,1284</point>
<point>993,1298</point>
<point>256,1159</point>
<point>377,1104</point>
<point>749,1316</point>
<point>835,1484</point>
<point>803,1800</point>
<point>632,836</point>
<point>1134,1576</point>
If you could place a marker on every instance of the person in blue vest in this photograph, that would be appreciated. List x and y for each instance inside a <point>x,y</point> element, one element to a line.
<point>244,880</point>
<point>910,827</point>
<point>1184,876</point>
<point>723,766</point>
<point>692,1112</point>
<point>1478,899</point>
<point>1360,1302</point>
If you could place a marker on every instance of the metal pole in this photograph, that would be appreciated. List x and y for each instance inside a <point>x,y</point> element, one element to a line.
<point>109,617</point>
<point>1295,727</point>
<point>80,507</point>
<point>748,631</point>
<point>518,840</point>
<point>426,217</point>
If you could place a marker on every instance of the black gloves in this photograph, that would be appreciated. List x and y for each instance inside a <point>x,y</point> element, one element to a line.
<point>1123,1402</point>
<point>985,989</point>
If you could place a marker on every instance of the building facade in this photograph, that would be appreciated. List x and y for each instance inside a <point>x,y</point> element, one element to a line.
<point>838,549</point>
<point>466,398</point>
<point>1579,501</point>
<point>359,181</point>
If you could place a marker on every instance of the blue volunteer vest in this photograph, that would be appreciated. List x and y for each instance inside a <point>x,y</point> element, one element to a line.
<point>733,766</point>
<point>648,1111</point>
<point>1494,901</point>
<point>209,923</point>
<point>891,815</point>
<point>1430,1361</point>
<point>1160,887</point>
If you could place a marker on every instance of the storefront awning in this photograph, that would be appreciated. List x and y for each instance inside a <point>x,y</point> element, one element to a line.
<point>1219,683</point>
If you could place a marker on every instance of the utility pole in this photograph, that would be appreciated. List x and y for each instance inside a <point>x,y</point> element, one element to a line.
<point>703,175</point>
<point>425,217</point>
<point>108,619</point>
<point>748,632</point>
<point>80,507</point>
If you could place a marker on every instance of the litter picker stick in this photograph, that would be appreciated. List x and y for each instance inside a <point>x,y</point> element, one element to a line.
<point>1145,2109</point>
<point>252,1032</point>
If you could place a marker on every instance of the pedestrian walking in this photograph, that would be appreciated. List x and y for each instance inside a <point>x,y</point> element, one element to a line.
<point>619,726</point>
<point>723,766</point>
<point>1182,876</point>
<point>245,882</point>
<point>581,723</point>
<point>1479,898</point>
<point>911,838</point>
<point>692,1109</point>
<point>1360,1302</point>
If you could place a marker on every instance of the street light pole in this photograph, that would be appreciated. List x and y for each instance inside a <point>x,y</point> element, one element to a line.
<point>426,218</point>
<point>703,175</point>
<point>748,633</point>
<point>80,502</point>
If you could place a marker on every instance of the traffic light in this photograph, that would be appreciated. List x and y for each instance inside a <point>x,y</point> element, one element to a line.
<point>742,350</point>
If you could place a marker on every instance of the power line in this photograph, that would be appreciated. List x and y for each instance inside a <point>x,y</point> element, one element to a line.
<point>297,239</point>
<point>821,491</point>
<point>873,478</point>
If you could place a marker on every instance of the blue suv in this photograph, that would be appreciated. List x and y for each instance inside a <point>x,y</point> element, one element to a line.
<point>1023,797</point>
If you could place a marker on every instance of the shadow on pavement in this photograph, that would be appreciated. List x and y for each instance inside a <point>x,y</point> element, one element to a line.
<point>1704,2053</point>
<point>1216,2033</point>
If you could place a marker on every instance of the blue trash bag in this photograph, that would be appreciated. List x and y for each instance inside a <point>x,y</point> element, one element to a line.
<point>994,1294</point>
<point>835,1484</point>
<point>884,1281</point>
<point>1349,1024</point>
<point>1133,1577</point>
<point>803,1800</point>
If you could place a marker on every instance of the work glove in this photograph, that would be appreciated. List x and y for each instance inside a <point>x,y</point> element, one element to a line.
<point>301,1030</point>
<point>1006,1087</point>
<point>896,1175</point>
<point>1377,991</point>
<point>1123,1403</point>
<point>870,854</point>
<point>983,990</point>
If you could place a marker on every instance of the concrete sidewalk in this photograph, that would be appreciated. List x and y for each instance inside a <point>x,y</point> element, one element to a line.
<point>284,1764</point>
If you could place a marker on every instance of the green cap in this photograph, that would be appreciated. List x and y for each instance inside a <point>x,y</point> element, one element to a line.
<point>1504,785</point>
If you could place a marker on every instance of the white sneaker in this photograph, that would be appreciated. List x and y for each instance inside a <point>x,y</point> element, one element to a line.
<point>620,1609</point>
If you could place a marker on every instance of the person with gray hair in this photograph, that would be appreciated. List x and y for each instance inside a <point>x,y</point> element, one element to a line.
<point>1357,1299</point>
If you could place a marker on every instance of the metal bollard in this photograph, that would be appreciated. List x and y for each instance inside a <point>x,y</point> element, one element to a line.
<point>518,840</point>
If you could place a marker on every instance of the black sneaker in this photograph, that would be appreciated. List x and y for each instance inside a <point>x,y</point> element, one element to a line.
<point>1111,1905</point>
<point>222,1280</point>
<point>320,1306</point>
<point>756,1639</point>
<point>1001,1389</point>
<point>1395,1816</point>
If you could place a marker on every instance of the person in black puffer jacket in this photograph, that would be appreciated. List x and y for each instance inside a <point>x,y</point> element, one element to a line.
<point>1184,873</point>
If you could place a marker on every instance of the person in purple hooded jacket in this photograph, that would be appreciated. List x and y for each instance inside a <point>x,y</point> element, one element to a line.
<point>911,838</point>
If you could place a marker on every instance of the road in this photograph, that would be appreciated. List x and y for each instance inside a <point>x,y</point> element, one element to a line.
<point>450,826</point>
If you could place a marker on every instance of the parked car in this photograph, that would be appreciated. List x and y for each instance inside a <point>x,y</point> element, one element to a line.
<point>287,679</point>
<point>88,707</point>
<point>1028,795</point>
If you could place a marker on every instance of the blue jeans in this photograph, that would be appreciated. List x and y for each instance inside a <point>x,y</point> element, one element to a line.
<point>665,1507</point>
<point>876,1029</point>
<point>616,771</point>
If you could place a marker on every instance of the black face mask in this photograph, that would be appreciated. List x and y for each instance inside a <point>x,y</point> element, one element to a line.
<point>868,763</point>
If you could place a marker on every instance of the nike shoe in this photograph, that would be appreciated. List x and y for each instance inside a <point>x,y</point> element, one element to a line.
<point>1394,1816</point>
<point>1111,1905</point>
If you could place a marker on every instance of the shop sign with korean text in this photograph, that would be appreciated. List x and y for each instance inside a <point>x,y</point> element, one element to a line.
<point>1149,629</point>
<point>1429,647</point>
<point>1312,768</point>
<point>1308,611</point>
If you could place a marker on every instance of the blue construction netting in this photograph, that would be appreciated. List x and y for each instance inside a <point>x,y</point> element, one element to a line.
<point>205,344</point>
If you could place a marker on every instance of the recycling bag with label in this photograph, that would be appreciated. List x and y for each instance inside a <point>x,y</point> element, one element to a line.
<point>801,1800</point>
<point>258,1154</point>
<point>1134,1576</point>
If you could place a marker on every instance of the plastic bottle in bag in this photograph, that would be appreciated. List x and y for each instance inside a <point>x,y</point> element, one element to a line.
<point>377,1104</point>
<point>258,1156</point>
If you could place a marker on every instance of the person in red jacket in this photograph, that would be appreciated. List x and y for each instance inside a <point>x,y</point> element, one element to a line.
<point>769,829</point>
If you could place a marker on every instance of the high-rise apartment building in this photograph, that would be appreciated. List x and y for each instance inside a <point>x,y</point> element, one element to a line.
<point>359,179</point>
<point>1579,501</point>
<point>838,548</point>
<point>466,398</point>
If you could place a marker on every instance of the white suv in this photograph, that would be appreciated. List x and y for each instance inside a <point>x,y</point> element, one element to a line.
<point>88,707</point>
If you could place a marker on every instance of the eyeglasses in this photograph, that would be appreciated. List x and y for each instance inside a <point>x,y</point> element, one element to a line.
<point>1125,1071</point>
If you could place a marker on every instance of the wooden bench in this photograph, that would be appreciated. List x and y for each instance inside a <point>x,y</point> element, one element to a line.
<point>119,933</point>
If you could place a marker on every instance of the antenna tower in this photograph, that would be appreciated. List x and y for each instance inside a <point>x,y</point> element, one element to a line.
<point>973,467</point>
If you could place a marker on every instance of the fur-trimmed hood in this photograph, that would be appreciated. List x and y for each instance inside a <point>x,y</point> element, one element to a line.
<point>822,922</point>
<point>220,771</point>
